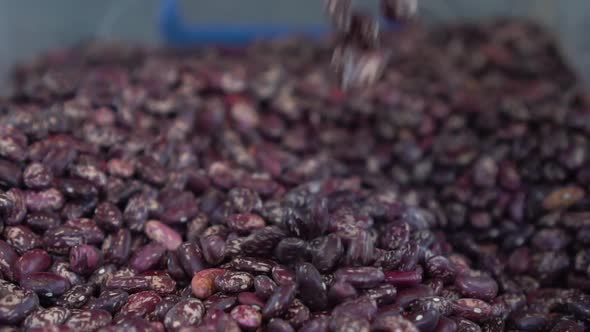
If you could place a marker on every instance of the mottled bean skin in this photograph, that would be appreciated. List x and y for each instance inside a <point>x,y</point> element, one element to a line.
<point>438,182</point>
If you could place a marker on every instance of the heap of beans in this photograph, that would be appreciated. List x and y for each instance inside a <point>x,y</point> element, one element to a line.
<point>240,189</point>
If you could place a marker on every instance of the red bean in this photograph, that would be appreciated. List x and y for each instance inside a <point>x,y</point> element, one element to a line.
<point>203,283</point>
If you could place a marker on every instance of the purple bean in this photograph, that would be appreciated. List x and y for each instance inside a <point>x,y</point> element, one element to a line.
<point>406,296</point>
<point>391,323</point>
<point>529,320</point>
<point>282,275</point>
<point>245,222</point>
<point>234,282</point>
<point>279,301</point>
<point>21,238</point>
<point>109,300</point>
<point>47,200</point>
<point>297,314</point>
<point>8,259</point>
<point>187,312</point>
<point>440,267</point>
<point>160,282</point>
<point>10,174</point>
<point>47,317</point>
<point>147,257</point>
<point>279,325</point>
<point>403,279</point>
<point>76,297</point>
<point>162,234</point>
<point>116,248</point>
<point>190,258</point>
<point>481,287</point>
<point>220,302</point>
<point>264,286</point>
<point>472,309</point>
<point>567,325</point>
<point>128,283</point>
<point>84,259</point>
<point>45,284</point>
<point>363,277</point>
<point>63,269</point>
<point>17,305</point>
<point>247,317</point>
<point>88,320</point>
<point>442,305</point>
<point>37,176</point>
<point>214,249</point>
<point>383,294</point>
<point>108,216</point>
<point>140,304</point>
<point>252,264</point>
<point>42,221</point>
<point>425,320</point>
<point>178,208</point>
<point>249,298</point>
<point>312,290</point>
<point>341,291</point>
<point>446,325</point>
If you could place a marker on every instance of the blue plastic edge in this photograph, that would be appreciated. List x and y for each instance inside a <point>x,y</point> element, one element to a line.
<point>176,32</point>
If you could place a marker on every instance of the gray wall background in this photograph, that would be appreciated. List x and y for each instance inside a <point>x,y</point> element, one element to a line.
<point>29,27</point>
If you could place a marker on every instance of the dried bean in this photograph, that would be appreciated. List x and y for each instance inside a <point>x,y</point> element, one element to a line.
<point>76,296</point>
<point>247,317</point>
<point>84,259</point>
<point>147,257</point>
<point>341,291</point>
<point>109,300</point>
<point>47,317</point>
<point>88,320</point>
<point>190,258</point>
<point>279,301</point>
<point>21,238</point>
<point>363,277</point>
<point>45,284</point>
<point>312,290</point>
<point>8,259</point>
<point>203,283</point>
<point>116,248</point>
<point>264,286</point>
<point>234,282</point>
<point>140,304</point>
<point>17,305</point>
<point>187,312</point>
<point>162,234</point>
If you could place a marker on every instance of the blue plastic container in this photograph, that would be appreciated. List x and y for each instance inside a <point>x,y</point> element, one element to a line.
<point>177,33</point>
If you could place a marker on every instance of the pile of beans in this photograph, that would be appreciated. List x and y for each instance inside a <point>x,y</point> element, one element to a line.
<point>241,190</point>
